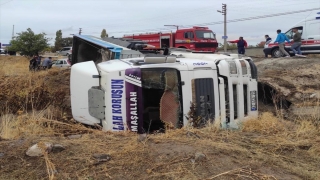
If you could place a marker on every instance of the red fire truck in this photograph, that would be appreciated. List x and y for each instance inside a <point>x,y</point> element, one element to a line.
<point>198,39</point>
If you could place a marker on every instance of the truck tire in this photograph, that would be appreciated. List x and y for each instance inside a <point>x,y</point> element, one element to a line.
<point>276,53</point>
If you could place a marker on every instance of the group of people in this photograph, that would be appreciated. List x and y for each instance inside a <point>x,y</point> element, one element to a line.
<point>281,39</point>
<point>35,63</point>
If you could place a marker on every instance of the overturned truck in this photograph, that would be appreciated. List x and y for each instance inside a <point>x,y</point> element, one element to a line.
<point>150,92</point>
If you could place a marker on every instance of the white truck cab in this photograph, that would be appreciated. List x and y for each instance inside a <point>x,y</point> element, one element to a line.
<point>149,93</point>
<point>310,38</point>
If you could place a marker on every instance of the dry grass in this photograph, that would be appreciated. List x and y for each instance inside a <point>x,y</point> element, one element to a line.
<point>22,90</point>
<point>255,152</point>
<point>265,148</point>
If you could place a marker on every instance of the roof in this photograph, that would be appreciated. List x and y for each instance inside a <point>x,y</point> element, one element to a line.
<point>119,42</point>
<point>109,44</point>
<point>101,42</point>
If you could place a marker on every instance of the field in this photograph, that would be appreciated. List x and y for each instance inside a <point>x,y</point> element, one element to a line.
<point>35,108</point>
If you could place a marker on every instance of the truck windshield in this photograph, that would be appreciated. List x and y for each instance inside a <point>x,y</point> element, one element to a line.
<point>161,98</point>
<point>205,34</point>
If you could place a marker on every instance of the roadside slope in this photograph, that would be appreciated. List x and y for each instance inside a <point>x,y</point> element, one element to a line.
<point>295,79</point>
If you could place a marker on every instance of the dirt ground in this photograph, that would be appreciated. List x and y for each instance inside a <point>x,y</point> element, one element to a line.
<point>297,79</point>
<point>34,108</point>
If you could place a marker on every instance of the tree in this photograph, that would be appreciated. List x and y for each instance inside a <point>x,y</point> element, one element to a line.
<point>104,34</point>
<point>58,42</point>
<point>66,41</point>
<point>261,44</point>
<point>28,43</point>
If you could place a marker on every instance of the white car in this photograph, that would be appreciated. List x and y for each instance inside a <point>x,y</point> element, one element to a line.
<point>61,63</point>
<point>2,51</point>
<point>65,51</point>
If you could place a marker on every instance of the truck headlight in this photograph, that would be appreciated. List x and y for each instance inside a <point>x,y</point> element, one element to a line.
<point>233,68</point>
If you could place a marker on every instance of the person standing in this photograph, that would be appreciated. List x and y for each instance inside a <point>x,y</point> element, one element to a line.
<point>33,63</point>
<point>281,39</point>
<point>296,46</point>
<point>241,44</point>
<point>47,63</point>
<point>39,60</point>
<point>166,50</point>
<point>268,40</point>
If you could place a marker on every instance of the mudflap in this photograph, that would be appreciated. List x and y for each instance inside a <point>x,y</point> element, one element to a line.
<point>83,77</point>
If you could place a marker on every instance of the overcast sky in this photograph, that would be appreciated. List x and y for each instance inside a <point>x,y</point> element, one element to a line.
<point>120,17</point>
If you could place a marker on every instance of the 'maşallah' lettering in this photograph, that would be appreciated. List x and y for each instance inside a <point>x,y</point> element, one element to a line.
<point>134,111</point>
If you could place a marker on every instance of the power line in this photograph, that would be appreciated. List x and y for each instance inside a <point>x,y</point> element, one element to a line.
<point>5,2</point>
<point>229,21</point>
<point>198,12</point>
<point>257,17</point>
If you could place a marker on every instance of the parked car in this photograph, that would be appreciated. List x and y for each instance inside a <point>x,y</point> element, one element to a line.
<point>65,51</point>
<point>61,63</point>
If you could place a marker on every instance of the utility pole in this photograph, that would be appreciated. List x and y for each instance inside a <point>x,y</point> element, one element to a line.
<point>12,32</point>
<point>224,13</point>
<point>80,29</point>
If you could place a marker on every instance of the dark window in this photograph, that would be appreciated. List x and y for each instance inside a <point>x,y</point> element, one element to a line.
<point>245,98</point>
<point>205,34</point>
<point>188,35</point>
<point>235,101</point>
<point>162,98</point>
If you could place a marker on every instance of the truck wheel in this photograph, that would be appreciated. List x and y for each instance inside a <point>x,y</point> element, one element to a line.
<point>276,53</point>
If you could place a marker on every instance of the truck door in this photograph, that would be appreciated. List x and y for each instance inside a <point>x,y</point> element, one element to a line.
<point>189,38</point>
<point>205,95</point>
<point>165,40</point>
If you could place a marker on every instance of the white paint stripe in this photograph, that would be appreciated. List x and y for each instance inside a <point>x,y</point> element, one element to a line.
<point>133,79</point>
<point>132,82</point>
